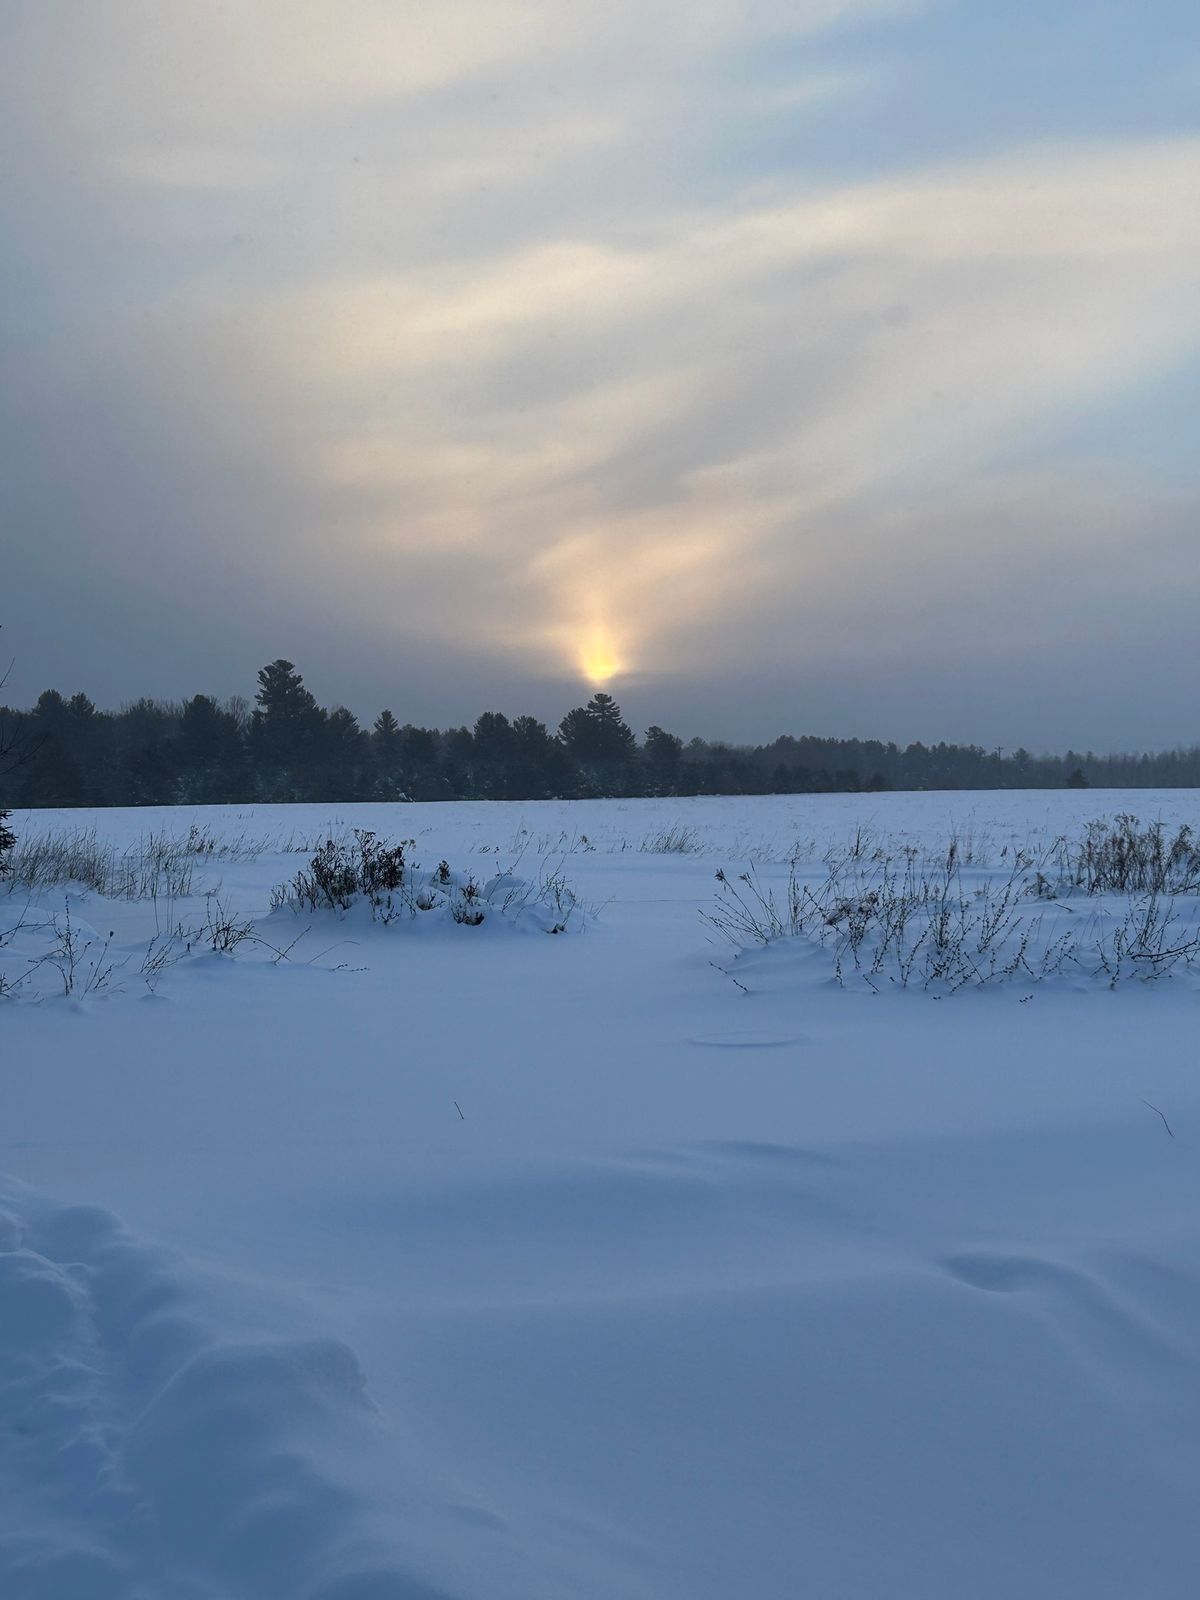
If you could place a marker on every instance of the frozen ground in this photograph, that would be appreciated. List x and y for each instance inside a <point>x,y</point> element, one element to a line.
<point>444,1263</point>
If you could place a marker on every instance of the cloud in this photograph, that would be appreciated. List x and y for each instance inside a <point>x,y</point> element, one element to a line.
<point>466,322</point>
<point>177,73</point>
<point>777,366</point>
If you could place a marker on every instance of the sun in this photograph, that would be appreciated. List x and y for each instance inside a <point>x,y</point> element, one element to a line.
<point>598,660</point>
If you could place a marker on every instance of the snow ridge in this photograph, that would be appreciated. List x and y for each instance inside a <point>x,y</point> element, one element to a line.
<point>147,1459</point>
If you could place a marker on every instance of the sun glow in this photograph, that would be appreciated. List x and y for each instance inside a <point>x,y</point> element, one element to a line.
<point>598,660</point>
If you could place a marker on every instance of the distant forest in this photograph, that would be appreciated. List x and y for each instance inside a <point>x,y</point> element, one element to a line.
<point>285,746</point>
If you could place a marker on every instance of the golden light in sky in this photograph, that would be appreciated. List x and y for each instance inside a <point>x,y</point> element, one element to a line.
<point>597,659</point>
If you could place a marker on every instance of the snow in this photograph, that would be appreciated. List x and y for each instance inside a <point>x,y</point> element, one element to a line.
<point>437,1262</point>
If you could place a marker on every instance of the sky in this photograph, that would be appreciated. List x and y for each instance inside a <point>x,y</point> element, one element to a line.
<point>779,365</point>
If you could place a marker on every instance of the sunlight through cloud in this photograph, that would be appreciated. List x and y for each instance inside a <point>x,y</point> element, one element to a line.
<point>598,660</point>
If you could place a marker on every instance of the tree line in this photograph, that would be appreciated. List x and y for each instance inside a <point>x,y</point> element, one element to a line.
<point>284,746</point>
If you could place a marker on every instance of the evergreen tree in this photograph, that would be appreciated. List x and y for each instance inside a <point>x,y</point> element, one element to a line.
<point>386,745</point>
<point>420,748</point>
<point>575,731</point>
<point>493,756</point>
<point>458,747</point>
<point>614,737</point>
<point>343,746</point>
<point>55,778</point>
<point>385,737</point>
<point>663,755</point>
<point>493,736</point>
<point>283,728</point>
<point>281,696</point>
<point>341,735</point>
<point>211,751</point>
<point>596,732</point>
<point>200,732</point>
<point>50,713</point>
<point>419,764</point>
<point>600,745</point>
<point>151,775</point>
<point>541,768</point>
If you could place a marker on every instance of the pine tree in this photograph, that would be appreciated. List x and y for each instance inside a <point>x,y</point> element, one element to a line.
<point>493,756</point>
<point>575,731</point>
<point>283,729</point>
<point>385,736</point>
<point>343,736</point>
<point>50,713</point>
<point>663,755</point>
<point>420,747</point>
<point>386,743</point>
<point>493,736</point>
<point>55,778</point>
<point>151,776</point>
<point>342,742</point>
<point>281,694</point>
<point>597,733</point>
<point>204,730</point>
<point>614,737</point>
<point>541,767</point>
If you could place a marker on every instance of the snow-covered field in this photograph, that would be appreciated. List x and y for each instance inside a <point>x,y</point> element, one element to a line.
<point>440,1262</point>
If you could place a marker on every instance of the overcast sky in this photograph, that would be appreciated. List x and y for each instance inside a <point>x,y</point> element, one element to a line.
<point>819,365</point>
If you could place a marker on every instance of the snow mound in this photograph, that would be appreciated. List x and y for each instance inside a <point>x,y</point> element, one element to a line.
<point>149,1459</point>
